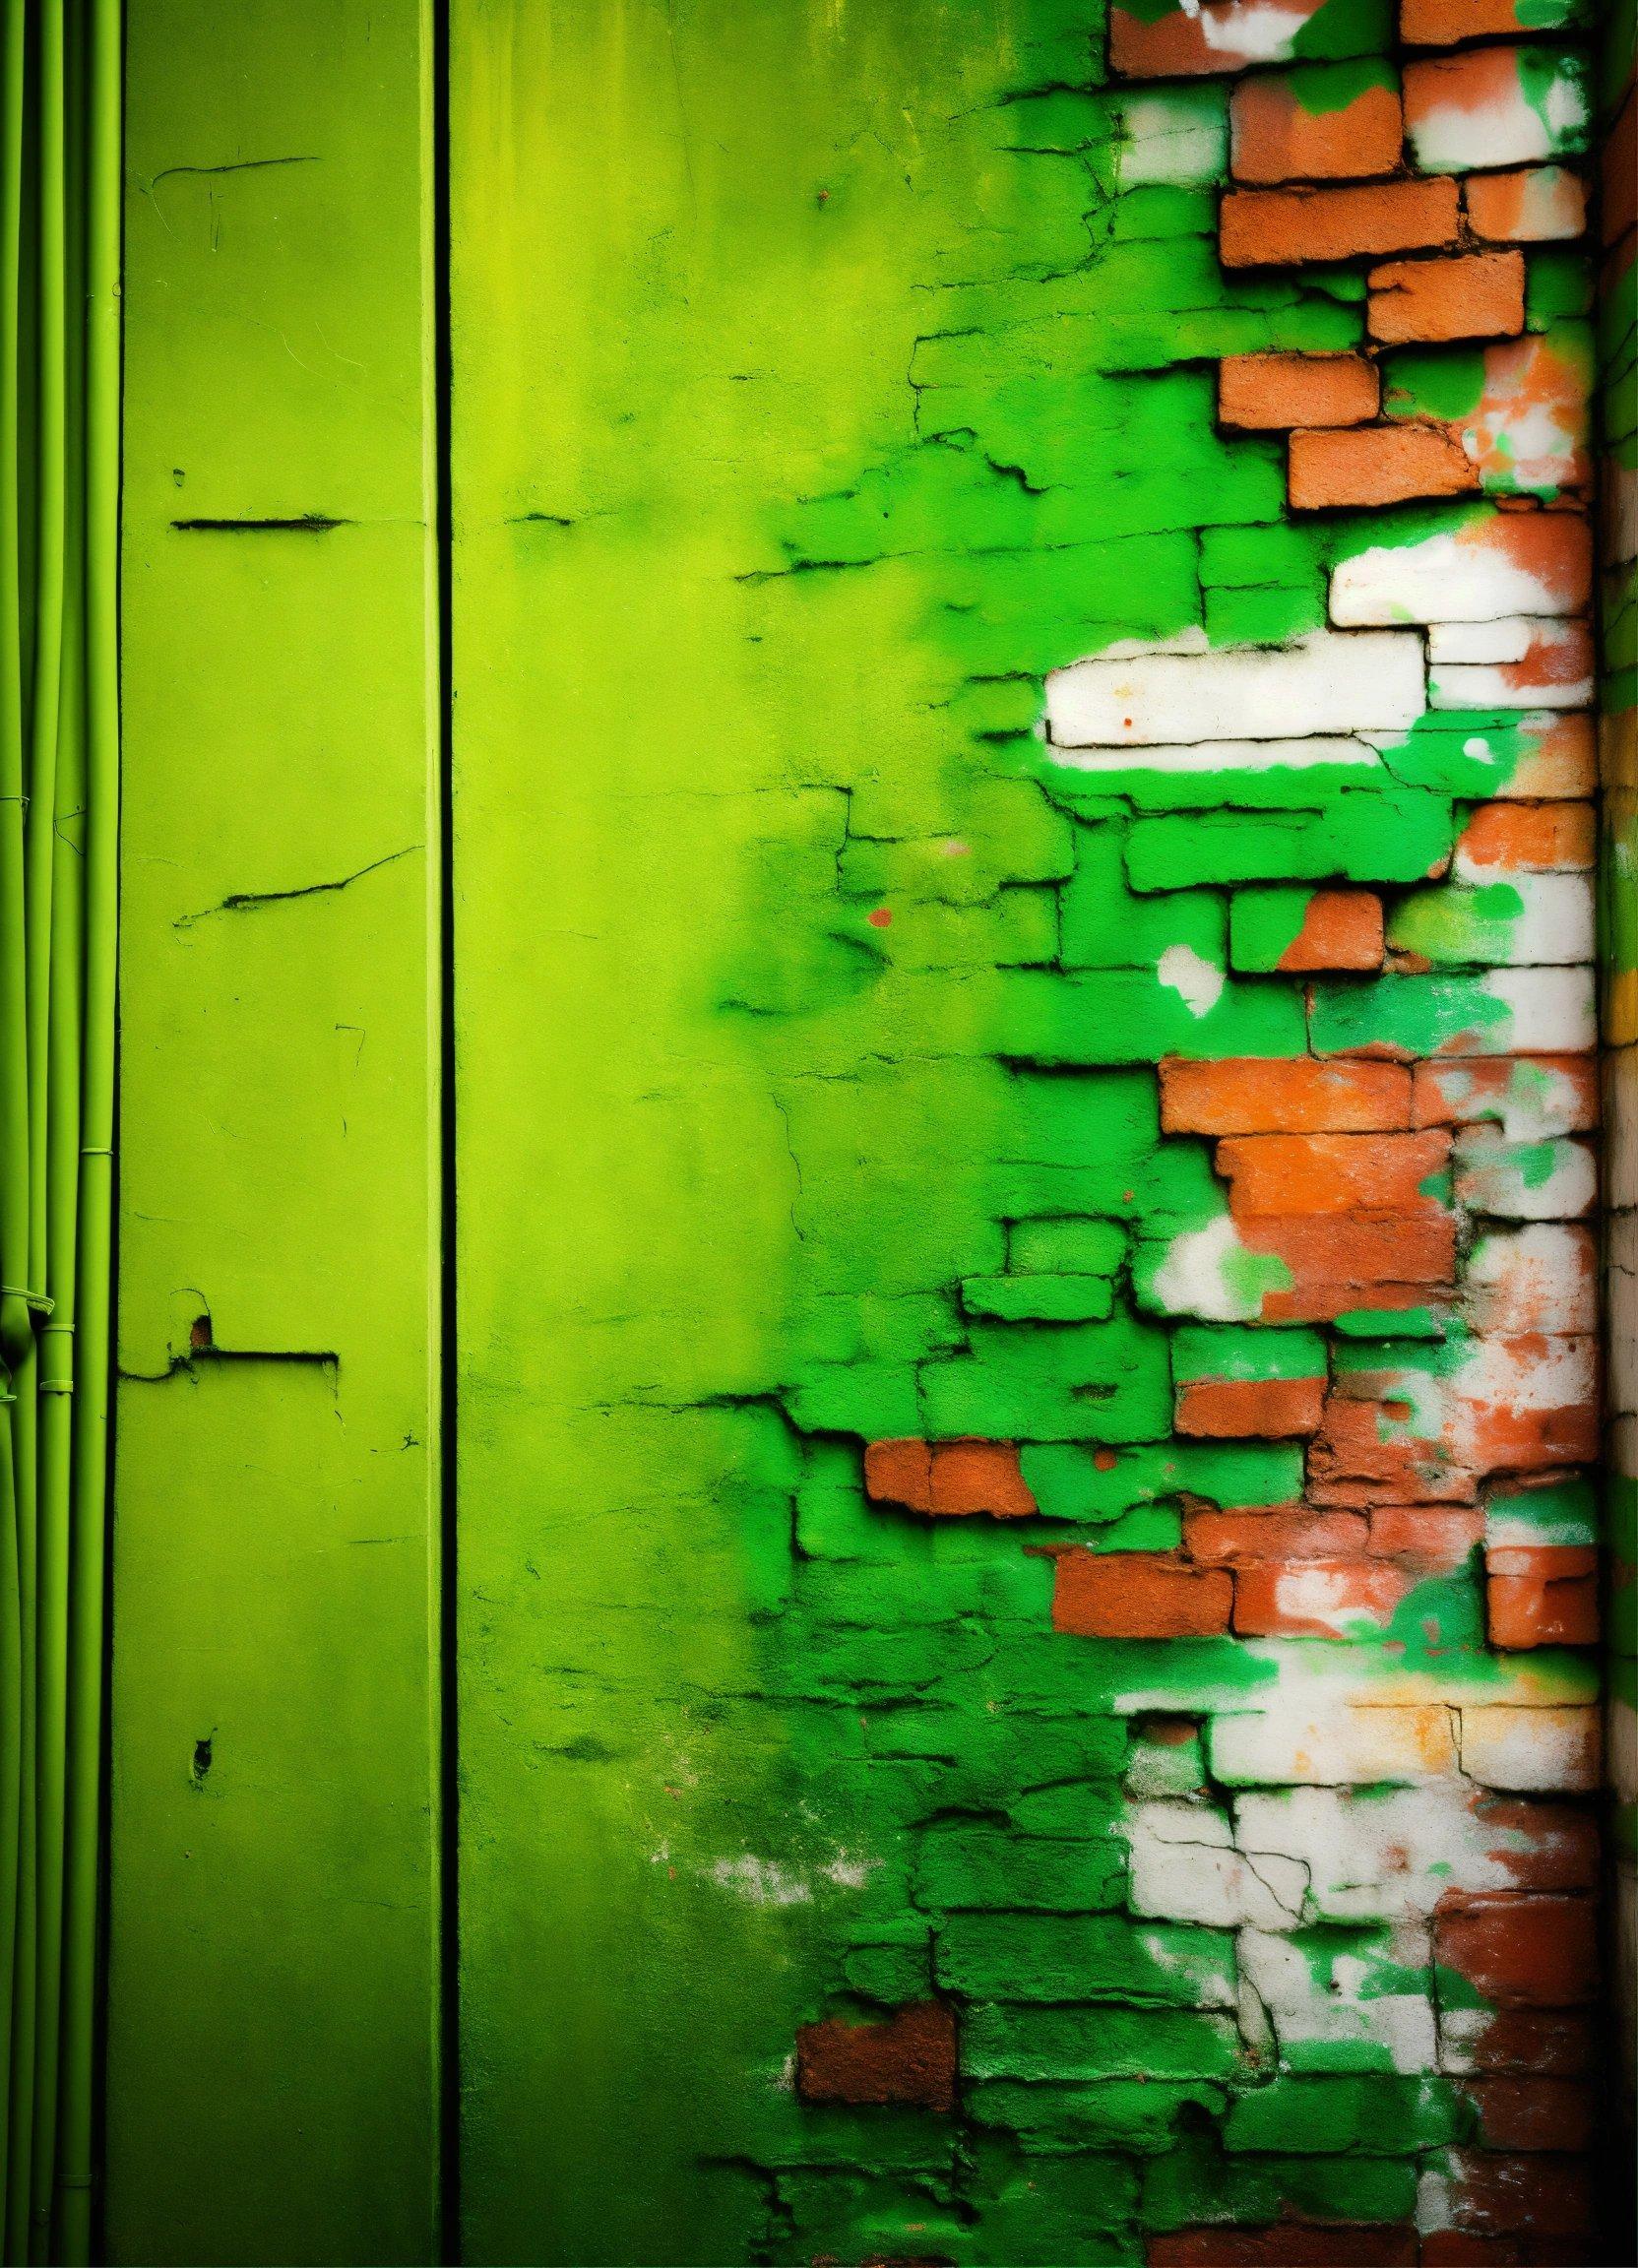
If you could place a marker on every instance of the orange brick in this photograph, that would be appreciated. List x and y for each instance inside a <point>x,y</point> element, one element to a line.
<point>1272,392</point>
<point>1138,1595</point>
<point>1282,228</point>
<point>947,1477</point>
<point>1248,1409</point>
<point>1356,1463</point>
<point>1543,1846</point>
<point>1338,1262</point>
<point>1560,757</point>
<point>1462,1090</point>
<point>1540,205</point>
<point>1473,295</point>
<point>1547,1596</point>
<point>1373,465</point>
<point>1286,2244</point>
<point>1317,1598</point>
<point>1549,2043</point>
<point>1274,137</point>
<point>1522,1951</point>
<point>1436,1539</point>
<point>1257,1094</point>
<point>1530,838</point>
<point>1341,929</point>
<point>1539,2194</point>
<point>1232,1539</point>
<point>1289,1174</point>
<point>1442,23</point>
<point>910,2059</point>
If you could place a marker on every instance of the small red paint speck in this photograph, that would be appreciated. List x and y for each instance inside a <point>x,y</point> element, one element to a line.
<point>1126,1196</point>
<point>1105,1460</point>
<point>881,918</point>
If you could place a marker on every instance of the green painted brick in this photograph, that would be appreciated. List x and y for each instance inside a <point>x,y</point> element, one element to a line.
<point>1136,2116</point>
<point>1039,1298</point>
<point>1091,1958</point>
<point>1263,924</point>
<point>1072,1482</point>
<point>1264,616</point>
<point>1456,925</point>
<point>1240,1350</point>
<point>1128,1016</point>
<point>1418,1014</point>
<point>1066,1247</point>
<point>1371,2113</point>
<point>978,1866</point>
<point>1089,2044</point>
<point>1094,1381</point>
<point>1105,926</point>
<point>1363,835</point>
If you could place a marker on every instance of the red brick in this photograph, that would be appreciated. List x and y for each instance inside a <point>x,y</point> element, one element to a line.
<point>1138,1595</point>
<point>1522,1951</point>
<point>1338,1262</point>
<point>1282,1174</point>
<point>1317,1598</point>
<point>1530,838</point>
<point>951,1477</point>
<point>1533,2114</point>
<point>1433,1539</point>
<point>1442,23</point>
<point>1540,2194</point>
<point>1460,1091</point>
<point>1341,929</point>
<point>1541,2042</point>
<point>1351,1466</point>
<point>1377,464</point>
<point>1272,392</point>
<point>1543,1846</point>
<point>1541,204</point>
<point>1248,1409</point>
<point>1257,1094</point>
<point>1274,137</point>
<point>1547,1596</point>
<point>1282,228</point>
<point>1289,2245</point>
<point>1473,295</point>
<point>910,2058</point>
<point>1237,1539</point>
<point>1175,44</point>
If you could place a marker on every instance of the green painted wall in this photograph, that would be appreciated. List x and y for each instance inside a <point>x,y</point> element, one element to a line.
<point>273,1988</point>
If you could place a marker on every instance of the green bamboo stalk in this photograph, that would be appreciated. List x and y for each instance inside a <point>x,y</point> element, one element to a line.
<point>94,1309</point>
<point>53,919</point>
<point>15,1327</point>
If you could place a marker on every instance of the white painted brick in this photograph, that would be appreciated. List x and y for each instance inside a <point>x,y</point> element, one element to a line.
<point>1524,1181</point>
<point>1553,1012</point>
<point>1508,637</point>
<point>1378,1855</point>
<point>1319,685</point>
<point>1337,1746</point>
<point>1316,2003</point>
<point>1521,685</point>
<point>1184,1868</point>
<point>1181,140</point>
<point>1456,136</point>
<point>1544,1278</point>
<point>1531,1752</point>
<point>1468,577</point>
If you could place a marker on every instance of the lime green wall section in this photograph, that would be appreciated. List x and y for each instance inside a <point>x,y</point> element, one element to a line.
<point>273,1990</point>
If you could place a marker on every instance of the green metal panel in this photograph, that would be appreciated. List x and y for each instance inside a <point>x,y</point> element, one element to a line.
<point>273,2057</point>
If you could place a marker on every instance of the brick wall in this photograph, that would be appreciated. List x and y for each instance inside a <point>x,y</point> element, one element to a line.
<point>1219,1617</point>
